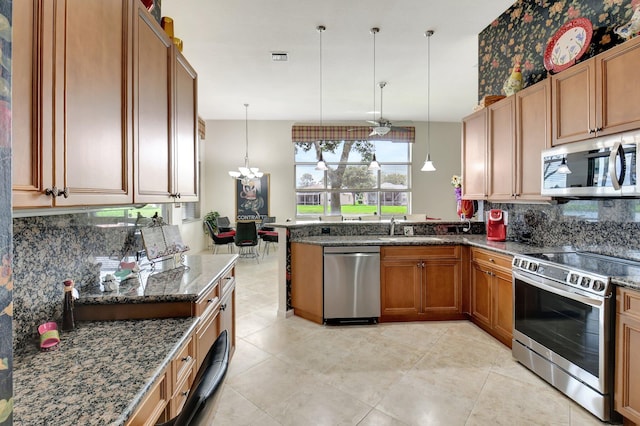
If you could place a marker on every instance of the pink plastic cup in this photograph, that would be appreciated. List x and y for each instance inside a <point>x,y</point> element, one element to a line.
<point>49,336</point>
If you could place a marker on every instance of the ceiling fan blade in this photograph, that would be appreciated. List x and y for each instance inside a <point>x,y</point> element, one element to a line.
<point>377,123</point>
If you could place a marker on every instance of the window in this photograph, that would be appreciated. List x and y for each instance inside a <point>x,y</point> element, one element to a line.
<point>348,187</point>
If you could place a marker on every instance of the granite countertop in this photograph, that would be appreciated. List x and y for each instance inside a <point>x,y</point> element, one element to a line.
<point>99,373</point>
<point>506,247</point>
<point>164,283</point>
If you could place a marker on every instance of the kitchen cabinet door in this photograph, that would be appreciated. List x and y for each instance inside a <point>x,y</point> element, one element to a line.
<point>185,151</point>
<point>442,287</point>
<point>91,102</point>
<point>502,306</point>
<point>617,90</point>
<point>501,149</point>
<point>306,281</point>
<point>228,317</point>
<point>480,295</point>
<point>492,294</point>
<point>72,117</point>
<point>421,283</point>
<point>31,152</point>
<point>401,288</point>
<point>627,380</point>
<point>152,70</point>
<point>474,156</point>
<point>574,103</point>
<point>533,135</point>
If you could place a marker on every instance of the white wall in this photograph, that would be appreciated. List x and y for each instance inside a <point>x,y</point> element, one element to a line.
<point>271,150</point>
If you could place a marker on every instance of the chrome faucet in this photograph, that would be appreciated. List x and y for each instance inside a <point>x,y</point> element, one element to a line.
<point>393,226</point>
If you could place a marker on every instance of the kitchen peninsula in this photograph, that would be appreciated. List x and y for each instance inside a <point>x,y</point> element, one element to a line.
<point>121,371</point>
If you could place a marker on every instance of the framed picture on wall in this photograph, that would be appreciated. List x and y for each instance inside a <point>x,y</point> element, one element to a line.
<point>252,198</point>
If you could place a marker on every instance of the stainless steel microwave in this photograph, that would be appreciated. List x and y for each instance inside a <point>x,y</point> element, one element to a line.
<point>603,167</point>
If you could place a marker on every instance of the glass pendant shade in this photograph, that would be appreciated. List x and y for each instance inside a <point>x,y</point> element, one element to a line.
<point>246,172</point>
<point>321,164</point>
<point>374,165</point>
<point>428,164</point>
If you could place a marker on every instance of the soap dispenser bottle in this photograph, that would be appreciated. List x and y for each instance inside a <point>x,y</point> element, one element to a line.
<point>68,322</point>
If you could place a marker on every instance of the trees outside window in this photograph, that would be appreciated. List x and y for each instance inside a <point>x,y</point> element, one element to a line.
<point>348,187</point>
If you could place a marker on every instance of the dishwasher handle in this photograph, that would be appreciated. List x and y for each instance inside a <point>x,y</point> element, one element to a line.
<point>351,250</point>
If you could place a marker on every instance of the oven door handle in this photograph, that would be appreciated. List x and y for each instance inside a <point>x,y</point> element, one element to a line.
<point>563,291</point>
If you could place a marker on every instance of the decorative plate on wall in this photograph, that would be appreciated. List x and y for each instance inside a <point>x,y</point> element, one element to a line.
<point>568,44</point>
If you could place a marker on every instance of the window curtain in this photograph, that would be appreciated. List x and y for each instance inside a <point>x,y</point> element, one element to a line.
<point>301,133</point>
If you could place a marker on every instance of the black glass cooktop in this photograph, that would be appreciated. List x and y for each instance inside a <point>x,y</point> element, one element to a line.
<point>591,262</point>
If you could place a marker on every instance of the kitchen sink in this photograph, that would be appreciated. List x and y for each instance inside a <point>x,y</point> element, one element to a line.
<point>414,238</point>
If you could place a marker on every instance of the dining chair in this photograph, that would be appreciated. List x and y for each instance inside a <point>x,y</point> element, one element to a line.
<point>223,224</point>
<point>246,239</point>
<point>221,238</point>
<point>202,403</point>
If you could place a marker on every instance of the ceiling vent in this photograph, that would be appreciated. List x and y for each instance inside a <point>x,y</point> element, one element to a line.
<point>279,57</point>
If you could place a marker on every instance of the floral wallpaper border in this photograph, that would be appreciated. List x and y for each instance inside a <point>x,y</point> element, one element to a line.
<point>520,35</point>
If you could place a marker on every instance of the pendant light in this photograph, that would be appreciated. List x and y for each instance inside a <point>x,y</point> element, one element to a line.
<point>321,163</point>
<point>428,164</point>
<point>246,172</point>
<point>374,165</point>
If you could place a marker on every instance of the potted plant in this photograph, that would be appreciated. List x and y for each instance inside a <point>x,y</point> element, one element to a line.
<point>211,218</point>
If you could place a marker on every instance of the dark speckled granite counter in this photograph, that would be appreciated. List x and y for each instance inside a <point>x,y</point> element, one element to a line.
<point>101,370</point>
<point>163,284</point>
<point>98,375</point>
<point>510,248</point>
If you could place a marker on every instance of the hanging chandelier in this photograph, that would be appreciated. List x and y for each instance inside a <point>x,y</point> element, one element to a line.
<point>428,164</point>
<point>246,173</point>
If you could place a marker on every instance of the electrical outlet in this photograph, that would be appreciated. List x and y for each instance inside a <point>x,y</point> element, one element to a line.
<point>408,231</point>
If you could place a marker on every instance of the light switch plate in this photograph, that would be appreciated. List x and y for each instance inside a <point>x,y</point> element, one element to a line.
<point>408,231</point>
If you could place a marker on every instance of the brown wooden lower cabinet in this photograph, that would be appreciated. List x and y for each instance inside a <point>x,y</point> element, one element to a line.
<point>306,281</point>
<point>420,283</point>
<point>492,293</point>
<point>627,381</point>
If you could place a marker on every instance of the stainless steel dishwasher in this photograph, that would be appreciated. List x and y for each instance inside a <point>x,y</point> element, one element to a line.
<point>351,287</point>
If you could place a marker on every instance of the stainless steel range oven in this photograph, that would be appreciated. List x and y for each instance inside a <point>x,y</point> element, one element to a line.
<point>564,323</point>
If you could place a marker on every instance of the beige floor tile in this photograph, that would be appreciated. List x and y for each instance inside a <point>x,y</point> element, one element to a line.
<point>318,404</point>
<point>413,401</point>
<point>378,418</point>
<point>295,372</point>
<point>504,401</point>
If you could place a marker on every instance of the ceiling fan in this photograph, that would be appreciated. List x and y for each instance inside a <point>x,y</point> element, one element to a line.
<point>383,126</point>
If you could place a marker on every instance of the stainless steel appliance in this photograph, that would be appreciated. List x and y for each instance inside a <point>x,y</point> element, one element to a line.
<point>351,287</point>
<point>603,167</point>
<point>564,322</point>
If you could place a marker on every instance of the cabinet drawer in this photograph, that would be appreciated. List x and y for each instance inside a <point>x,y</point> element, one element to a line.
<point>206,333</point>
<point>628,302</point>
<point>153,405</point>
<point>422,252</point>
<point>180,395</point>
<point>182,364</point>
<point>227,281</point>
<point>491,257</point>
<point>211,298</point>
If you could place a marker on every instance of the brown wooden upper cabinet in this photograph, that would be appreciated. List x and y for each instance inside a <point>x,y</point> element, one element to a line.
<point>73,131</point>
<point>597,97</point>
<point>165,115</point>
<point>474,156</point>
<point>503,143</point>
<point>80,68</point>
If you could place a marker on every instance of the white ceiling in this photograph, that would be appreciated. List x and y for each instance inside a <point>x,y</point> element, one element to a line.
<point>229,43</point>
